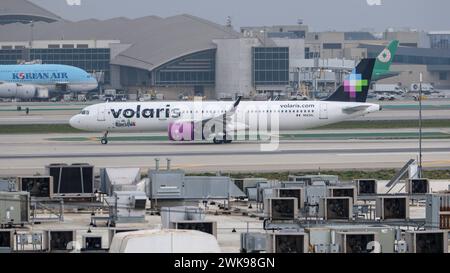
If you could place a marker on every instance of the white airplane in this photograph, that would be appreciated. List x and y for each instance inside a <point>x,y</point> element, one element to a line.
<point>218,121</point>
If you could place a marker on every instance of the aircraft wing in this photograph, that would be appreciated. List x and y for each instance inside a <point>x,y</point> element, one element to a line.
<point>354,109</point>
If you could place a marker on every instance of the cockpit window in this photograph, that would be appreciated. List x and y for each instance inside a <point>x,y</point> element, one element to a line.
<point>85,112</point>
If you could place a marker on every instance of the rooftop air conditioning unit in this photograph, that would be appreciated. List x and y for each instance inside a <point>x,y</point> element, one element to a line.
<point>298,193</point>
<point>342,192</point>
<point>428,241</point>
<point>392,207</point>
<point>6,241</point>
<point>61,240</point>
<point>418,186</point>
<point>37,186</point>
<point>74,181</point>
<point>366,187</point>
<point>355,241</point>
<point>336,208</point>
<point>92,242</point>
<point>281,208</point>
<point>284,242</point>
<point>14,208</point>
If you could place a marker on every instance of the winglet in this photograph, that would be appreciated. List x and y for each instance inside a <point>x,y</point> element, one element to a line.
<point>234,108</point>
<point>237,101</point>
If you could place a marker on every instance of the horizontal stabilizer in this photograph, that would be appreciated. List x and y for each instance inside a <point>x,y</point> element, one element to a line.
<point>353,109</point>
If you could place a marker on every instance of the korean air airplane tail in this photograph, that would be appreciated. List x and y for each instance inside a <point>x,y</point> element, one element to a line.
<point>356,87</point>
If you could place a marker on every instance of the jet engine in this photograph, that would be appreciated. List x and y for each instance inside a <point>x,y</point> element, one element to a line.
<point>15,90</point>
<point>181,131</point>
<point>192,131</point>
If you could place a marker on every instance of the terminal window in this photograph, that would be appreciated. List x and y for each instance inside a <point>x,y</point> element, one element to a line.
<point>10,56</point>
<point>270,65</point>
<point>194,69</point>
<point>89,59</point>
<point>332,46</point>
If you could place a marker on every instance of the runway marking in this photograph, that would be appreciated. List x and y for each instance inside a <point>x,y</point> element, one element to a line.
<point>388,153</point>
<point>24,118</point>
<point>228,153</point>
<point>341,135</point>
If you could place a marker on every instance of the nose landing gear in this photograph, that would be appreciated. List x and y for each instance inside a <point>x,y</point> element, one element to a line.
<point>104,139</point>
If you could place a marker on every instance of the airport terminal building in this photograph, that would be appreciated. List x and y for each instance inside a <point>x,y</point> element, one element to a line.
<point>184,55</point>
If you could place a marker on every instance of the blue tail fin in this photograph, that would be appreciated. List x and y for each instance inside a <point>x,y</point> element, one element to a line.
<point>356,87</point>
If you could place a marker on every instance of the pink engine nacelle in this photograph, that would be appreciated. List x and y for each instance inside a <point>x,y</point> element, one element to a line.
<point>183,131</point>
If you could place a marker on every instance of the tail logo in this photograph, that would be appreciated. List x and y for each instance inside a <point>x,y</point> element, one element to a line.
<point>354,84</point>
<point>385,56</point>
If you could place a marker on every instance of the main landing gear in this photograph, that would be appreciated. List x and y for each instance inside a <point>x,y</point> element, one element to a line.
<point>222,141</point>
<point>104,139</point>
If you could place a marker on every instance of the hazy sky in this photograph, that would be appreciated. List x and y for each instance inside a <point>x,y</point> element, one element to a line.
<point>318,14</point>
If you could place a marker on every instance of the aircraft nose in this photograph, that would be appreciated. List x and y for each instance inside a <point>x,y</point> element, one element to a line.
<point>75,122</point>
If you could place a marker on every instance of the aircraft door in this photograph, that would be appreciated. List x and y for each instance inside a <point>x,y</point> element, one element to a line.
<point>101,113</point>
<point>323,111</point>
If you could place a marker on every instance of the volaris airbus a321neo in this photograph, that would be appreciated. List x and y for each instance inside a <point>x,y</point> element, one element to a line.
<point>219,121</point>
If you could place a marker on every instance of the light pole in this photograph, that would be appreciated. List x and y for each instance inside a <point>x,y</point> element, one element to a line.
<point>317,69</point>
<point>420,126</point>
<point>31,33</point>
